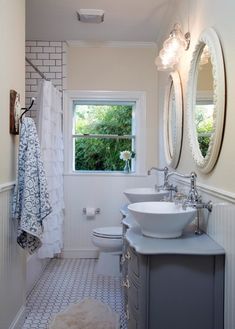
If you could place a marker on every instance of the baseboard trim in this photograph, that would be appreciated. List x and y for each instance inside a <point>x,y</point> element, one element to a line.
<point>35,267</point>
<point>19,319</point>
<point>80,253</point>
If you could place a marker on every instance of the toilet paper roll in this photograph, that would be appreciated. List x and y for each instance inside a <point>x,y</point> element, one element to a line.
<point>90,212</point>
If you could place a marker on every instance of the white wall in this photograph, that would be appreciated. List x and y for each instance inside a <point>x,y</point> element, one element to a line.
<point>218,185</point>
<point>12,77</point>
<point>12,260</point>
<point>117,69</point>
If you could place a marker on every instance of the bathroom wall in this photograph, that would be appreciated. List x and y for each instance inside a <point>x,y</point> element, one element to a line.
<point>12,258</point>
<point>218,185</point>
<point>97,67</point>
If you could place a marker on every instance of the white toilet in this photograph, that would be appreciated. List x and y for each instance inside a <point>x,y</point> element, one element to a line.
<point>109,242</point>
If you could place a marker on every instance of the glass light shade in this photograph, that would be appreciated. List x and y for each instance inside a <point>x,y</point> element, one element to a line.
<point>168,57</point>
<point>173,47</point>
<point>172,44</point>
<point>163,67</point>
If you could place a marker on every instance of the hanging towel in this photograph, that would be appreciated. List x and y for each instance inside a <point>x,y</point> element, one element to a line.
<point>30,200</point>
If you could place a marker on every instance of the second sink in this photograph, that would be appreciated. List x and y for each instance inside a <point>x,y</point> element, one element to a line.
<point>142,194</point>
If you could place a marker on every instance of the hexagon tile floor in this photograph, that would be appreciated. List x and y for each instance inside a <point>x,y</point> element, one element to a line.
<point>67,281</point>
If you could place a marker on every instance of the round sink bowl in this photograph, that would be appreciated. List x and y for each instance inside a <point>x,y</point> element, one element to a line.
<point>141,194</point>
<point>162,219</point>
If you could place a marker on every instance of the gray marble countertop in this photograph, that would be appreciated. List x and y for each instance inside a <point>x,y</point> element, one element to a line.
<point>188,244</point>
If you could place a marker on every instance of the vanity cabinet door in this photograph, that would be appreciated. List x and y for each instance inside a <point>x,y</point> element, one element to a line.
<point>186,292</point>
<point>137,265</point>
<point>137,291</point>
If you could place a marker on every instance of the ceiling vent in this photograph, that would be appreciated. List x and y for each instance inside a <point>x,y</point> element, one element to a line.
<point>91,15</point>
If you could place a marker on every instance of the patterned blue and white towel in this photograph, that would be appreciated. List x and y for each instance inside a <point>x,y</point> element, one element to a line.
<point>30,200</point>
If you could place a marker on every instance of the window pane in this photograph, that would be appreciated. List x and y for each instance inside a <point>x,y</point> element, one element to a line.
<point>103,119</point>
<point>101,154</point>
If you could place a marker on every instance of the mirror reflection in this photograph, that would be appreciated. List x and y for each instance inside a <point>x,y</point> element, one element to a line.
<point>171,122</point>
<point>205,106</point>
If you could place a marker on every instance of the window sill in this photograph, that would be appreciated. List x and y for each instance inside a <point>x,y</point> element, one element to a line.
<point>110,174</point>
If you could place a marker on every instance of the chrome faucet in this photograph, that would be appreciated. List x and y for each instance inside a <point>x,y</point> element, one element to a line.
<point>193,198</point>
<point>165,170</point>
<point>166,186</point>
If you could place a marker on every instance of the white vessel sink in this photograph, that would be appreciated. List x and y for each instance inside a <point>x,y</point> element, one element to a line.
<point>141,194</point>
<point>161,219</point>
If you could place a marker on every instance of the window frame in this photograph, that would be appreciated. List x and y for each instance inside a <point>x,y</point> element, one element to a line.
<point>139,97</point>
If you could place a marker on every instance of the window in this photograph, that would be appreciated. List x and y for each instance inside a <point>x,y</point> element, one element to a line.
<point>98,126</point>
<point>101,130</point>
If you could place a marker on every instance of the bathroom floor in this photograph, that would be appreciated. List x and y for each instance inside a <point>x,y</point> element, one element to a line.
<point>67,281</point>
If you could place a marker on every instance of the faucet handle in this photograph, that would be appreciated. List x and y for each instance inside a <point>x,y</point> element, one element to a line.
<point>179,198</point>
<point>158,187</point>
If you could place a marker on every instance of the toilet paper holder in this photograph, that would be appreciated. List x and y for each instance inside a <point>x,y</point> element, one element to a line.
<point>97,211</point>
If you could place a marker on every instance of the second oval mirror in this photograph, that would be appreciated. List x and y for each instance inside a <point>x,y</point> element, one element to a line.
<point>173,120</point>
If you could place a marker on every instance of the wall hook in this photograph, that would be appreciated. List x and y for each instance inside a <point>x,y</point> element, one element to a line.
<point>26,109</point>
<point>15,111</point>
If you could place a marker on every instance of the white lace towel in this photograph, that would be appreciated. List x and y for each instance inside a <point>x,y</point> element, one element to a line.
<point>30,200</point>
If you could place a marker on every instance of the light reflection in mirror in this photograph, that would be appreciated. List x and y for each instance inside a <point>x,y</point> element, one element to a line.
<point>204,107</point>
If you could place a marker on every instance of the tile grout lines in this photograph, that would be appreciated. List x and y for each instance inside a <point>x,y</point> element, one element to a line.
<point>67,281</point>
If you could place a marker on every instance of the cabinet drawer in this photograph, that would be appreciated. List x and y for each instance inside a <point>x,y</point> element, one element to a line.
<point>132,323</point>
<point>136,319</point>
<point>133,262</point>
<point>133,295</point>
<point>137,266</point>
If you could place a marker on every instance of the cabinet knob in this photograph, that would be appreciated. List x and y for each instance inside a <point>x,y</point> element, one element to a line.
<point>123,259</point>
<point>126,283</point>
<point>128,255</point>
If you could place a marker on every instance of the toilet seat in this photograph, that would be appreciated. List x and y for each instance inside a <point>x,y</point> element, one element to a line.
<point>114,232</point>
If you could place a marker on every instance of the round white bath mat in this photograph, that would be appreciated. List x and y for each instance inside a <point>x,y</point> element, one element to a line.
<point>88,314</point>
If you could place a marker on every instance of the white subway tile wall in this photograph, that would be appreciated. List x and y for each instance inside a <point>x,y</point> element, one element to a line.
<point>50,57</point>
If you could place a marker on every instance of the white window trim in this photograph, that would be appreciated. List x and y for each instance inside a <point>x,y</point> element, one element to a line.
<point>140,125</point>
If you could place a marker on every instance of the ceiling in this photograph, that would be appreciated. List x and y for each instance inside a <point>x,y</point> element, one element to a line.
<point>125,20</point>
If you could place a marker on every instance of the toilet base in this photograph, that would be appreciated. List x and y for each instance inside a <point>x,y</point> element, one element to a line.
<point>108,264</point>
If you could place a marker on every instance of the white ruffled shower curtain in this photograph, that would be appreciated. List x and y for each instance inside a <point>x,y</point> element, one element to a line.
<point>49,126</point>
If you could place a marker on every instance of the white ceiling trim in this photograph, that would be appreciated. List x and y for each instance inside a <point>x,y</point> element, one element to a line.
<point>112,44</point>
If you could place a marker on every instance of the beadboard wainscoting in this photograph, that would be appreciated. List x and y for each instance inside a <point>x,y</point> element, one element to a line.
<point>12,266</point>
<point>220,225</point>
<point>104,191</point>
<point>34,269</point>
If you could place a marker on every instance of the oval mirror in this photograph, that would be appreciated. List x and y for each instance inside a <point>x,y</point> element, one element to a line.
<point>173,120</point>
<point>206,101</point>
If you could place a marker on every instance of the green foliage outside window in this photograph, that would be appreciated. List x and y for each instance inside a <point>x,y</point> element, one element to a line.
<point>204,125</point>
<point>101,154</point>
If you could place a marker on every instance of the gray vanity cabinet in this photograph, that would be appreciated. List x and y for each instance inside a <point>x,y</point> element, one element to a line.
<point>173,291</point>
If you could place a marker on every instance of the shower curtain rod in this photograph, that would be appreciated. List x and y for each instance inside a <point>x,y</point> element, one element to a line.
<point>36,69</point>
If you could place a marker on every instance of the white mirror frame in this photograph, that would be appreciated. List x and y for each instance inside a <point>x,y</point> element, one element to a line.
<point>210,38</point>
<point>172,160</point>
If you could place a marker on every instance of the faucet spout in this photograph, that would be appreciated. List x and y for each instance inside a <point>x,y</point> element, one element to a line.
<point>165,169</point>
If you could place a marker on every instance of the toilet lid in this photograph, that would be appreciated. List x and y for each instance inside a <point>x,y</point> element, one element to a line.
<point>108,232</point>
